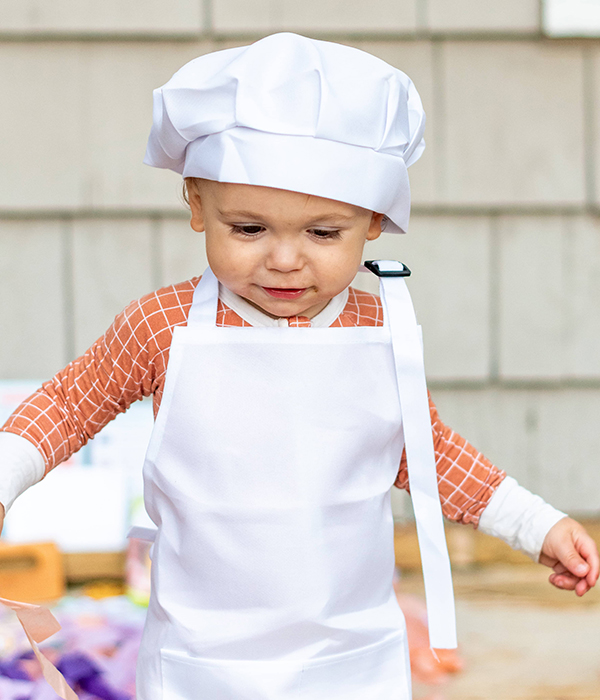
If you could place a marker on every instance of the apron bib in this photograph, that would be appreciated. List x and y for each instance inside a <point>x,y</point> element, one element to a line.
<point>268,476</point>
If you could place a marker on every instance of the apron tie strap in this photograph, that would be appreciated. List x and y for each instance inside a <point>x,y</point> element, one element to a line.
<point>407,346</point>
<point>206,298</point>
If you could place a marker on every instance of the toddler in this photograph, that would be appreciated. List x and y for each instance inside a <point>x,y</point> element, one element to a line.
<point>287,403</point>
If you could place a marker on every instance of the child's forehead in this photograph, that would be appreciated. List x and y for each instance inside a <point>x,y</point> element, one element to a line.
<point>235,198</point>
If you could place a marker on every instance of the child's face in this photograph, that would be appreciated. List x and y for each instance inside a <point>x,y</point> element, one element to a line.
<point>285,252</point>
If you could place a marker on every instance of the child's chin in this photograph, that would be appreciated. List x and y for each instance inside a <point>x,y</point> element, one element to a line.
<point>283,310</point>
<point>274,308</point>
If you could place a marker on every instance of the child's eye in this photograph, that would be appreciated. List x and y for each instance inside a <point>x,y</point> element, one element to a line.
<point>324,233</point>
<point>248,229</point>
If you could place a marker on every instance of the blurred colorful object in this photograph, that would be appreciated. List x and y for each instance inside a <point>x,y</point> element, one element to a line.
<point>137,573</point>
<point>428,666</point>
<point>424,665</point>
<point>96,651</point>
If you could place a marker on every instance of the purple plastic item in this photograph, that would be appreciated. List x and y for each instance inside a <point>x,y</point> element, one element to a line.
<point>13,669</point>
<point>79,669</point>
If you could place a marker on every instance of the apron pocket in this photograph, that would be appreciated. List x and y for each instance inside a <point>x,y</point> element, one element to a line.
<point>379,672</point>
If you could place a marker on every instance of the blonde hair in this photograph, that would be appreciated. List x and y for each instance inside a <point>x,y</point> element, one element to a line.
<point>185,187</point>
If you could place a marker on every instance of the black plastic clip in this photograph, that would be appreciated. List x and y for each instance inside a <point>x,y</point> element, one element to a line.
<point>373,266</point>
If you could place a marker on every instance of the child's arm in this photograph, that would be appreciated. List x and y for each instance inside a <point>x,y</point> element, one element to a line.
<point>65,412</point>
<point>473,490</point>
<point>527,523</point>
<point>124,365</point>
<point>73,406</point>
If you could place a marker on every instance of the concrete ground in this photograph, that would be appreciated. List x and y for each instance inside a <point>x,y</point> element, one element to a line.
<point>520,638</point>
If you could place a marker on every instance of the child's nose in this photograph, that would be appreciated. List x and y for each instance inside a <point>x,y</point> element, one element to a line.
<point>285,257</point>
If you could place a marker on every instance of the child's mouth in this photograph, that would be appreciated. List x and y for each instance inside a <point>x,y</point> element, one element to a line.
<point>284,292</point>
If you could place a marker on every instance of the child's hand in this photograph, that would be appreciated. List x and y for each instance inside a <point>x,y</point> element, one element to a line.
<point>573,555</point>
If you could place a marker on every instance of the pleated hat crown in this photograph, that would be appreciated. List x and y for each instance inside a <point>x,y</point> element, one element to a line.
<point>296,114</point>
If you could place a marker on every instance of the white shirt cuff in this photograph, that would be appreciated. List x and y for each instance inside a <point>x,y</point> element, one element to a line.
<point>21,466</point>
<point>519,518</point>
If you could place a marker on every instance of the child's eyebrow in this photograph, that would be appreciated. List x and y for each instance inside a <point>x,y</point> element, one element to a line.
<point>332,217</point>
<point>238,214</point>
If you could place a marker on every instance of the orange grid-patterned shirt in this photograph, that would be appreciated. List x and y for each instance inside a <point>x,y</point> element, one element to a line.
<point>130,360</point>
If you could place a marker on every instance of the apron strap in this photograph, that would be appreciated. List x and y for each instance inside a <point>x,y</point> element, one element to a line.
<point>204,304</point>
<point>412,388</point>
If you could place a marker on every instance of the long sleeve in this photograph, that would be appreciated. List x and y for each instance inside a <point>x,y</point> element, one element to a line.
<point>519,518</point>
<point>125,364</point>
<point>466,479</point>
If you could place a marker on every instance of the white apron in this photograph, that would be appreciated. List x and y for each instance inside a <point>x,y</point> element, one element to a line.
<point>268,476</point>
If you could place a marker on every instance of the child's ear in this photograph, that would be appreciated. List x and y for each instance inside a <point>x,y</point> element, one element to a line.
<point>195,201</point>
<point>375,226</point>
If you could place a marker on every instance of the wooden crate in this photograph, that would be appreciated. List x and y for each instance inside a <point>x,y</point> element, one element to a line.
<point>31,573</point>
<point>88,566</point>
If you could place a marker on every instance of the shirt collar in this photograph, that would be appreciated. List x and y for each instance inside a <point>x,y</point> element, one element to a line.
<point>257,318</point>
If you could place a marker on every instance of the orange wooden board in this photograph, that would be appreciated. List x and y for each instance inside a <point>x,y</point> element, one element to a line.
<point>31,572</point>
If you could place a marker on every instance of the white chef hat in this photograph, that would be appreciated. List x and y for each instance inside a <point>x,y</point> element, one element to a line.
<point>296,114</point>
